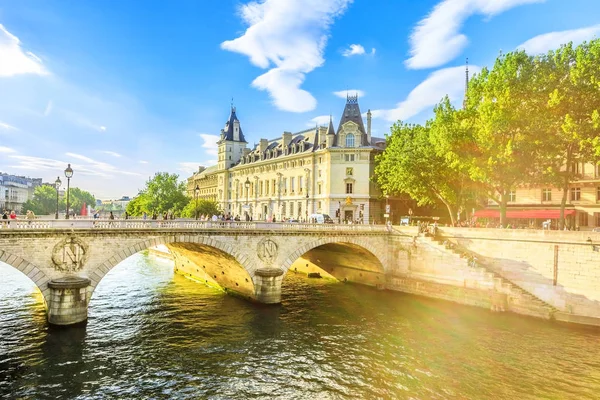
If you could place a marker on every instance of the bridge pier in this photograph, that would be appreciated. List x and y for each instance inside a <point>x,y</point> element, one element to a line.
<point>267,283</point>
<point>68,303</point>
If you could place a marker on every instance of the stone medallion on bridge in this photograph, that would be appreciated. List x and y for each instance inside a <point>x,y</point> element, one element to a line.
<point>70,254</point>
<point>267,250</point>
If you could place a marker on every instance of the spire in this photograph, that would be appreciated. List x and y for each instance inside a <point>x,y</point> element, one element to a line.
<point>330,130</point>
<point>466,84</point>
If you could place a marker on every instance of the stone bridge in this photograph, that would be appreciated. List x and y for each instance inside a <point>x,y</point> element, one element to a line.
<point>67,259</point>
<point>551,275</point>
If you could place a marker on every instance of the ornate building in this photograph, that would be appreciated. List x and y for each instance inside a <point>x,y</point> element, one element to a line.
<point>318,170</point>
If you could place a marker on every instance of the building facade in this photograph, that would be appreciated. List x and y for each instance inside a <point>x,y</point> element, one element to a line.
<point>16,190</point>
<point>318,170</point>
<point>535,204</point>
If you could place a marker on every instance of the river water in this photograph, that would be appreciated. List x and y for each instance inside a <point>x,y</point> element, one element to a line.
<point>152,334</point>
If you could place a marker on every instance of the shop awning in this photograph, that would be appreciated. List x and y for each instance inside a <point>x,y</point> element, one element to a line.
<point>523,214</point>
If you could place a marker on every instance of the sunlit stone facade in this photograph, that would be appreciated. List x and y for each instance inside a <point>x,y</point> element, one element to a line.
<point>318,170</point>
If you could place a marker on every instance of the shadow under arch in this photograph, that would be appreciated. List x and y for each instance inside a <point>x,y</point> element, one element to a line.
<point>200,258</point>
<point>343,259</point>
<point>31,271</point>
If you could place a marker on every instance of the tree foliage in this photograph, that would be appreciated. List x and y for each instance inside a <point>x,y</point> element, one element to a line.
<point>44,200</point>
<point>205,207</point>
<point>163,193</point>
<point>525,122</point>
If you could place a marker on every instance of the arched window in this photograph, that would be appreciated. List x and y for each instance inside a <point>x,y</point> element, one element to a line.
<point>349,140</point>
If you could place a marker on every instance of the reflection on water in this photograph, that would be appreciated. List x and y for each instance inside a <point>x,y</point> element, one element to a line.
<point>152,334</point>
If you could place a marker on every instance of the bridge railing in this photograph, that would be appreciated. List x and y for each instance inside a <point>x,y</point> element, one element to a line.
<point>41,224</point>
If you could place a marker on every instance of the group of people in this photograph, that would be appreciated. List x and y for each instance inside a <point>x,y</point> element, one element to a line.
<point>9,215</point>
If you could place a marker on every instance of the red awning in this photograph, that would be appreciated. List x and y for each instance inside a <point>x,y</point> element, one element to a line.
<point>524,214</point>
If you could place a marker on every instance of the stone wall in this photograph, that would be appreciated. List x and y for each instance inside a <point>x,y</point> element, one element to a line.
<point>560,267</point>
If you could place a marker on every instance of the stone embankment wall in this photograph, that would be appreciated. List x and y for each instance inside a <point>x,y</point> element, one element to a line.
<point>426,267</point>
<point>561,268</point>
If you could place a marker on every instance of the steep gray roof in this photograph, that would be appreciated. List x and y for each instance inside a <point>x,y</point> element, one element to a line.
<point>228,130</point>
<point>352,113</point>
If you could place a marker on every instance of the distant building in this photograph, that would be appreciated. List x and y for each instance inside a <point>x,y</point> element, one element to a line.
<point>16,190</point>
<point>317,170</point>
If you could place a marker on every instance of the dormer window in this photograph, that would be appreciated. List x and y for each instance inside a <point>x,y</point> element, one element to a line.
<point>349,140</point>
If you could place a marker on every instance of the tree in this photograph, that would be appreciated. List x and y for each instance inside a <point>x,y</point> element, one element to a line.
<point>43,201</point>
<point>410,164</point>
<point>205,207</point>
<point>163,193</point>
<point>571,83</point>
<point>497,139</point>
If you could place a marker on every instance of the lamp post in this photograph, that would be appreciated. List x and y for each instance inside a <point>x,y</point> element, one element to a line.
<point>57,184</point>
<point>410,213</point>
<point>196,193</point>
<point>247,186</point>
<point>387,208</point>
<point>68,174</point>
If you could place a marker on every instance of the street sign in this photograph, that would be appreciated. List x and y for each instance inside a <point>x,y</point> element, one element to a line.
<point>386,215</point>
<point>387,208</point>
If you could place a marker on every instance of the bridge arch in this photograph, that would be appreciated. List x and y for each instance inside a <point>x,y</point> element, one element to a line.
<point>105,267</point>
<point>31,271</point>
<point>336,259</point>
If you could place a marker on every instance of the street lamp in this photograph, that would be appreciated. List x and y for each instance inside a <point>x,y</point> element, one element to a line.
<point>57,184</point>
<point>387,208</point>
<point>247,186</point>
<point>196,193</point>
<point>68,174</point>
<point>410,213</point>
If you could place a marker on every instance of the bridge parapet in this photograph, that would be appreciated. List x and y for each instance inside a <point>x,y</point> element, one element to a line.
<point>186,224</point>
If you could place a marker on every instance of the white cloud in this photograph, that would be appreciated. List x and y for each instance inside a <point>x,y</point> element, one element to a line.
<point>320,120</point>
<point>552,40</point>
<point>289,37</point>
<point>5,150</point>
<point>354,50</point>
<point>5,126</point>
<point>15,61</point>
<point>344,93</point>
<point>447,81</point>
<point>209,143</point>
<point>143,162</point>
<point>99,168</point>
<point>437,39</point>
<point>48,108</point>
<point>111,153</point>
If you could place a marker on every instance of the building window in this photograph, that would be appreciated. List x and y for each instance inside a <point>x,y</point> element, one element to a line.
<point>292,184</point>
<point>349,157</point>
<point>512,196</point>
<point>319,173</point>
<point>320,188</point>
<point>348,188</point>
<point>320,160</point>
<point>597,217</point>
<point>349,140</point>
<point>575,194</point>
<point>598,193</point>
<point>546,194</point>
<point>299,209</point>
<point>349,171</point>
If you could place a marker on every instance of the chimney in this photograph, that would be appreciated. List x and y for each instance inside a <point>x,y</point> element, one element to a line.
<point>286,139</point>
<point>369,126</point>
<point>264,143</point>
<point>236,130</point>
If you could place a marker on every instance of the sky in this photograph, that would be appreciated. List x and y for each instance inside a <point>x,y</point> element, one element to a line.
<point>124,89</point>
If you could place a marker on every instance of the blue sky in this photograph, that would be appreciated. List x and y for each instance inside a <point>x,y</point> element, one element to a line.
<point>122,89</point>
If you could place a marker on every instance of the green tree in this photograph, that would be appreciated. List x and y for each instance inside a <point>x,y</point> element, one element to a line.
<point>43,201</point>
<point>163,193</point>
<point>571,86</point>
<point>497,139</point>
<point>77,198</point>
<point>205,207</point>
<point>410,164</point>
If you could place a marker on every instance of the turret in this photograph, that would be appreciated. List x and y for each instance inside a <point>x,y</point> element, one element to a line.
<point>330,137</point>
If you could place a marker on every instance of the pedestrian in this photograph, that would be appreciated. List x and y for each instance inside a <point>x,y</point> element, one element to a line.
<point>111,216</point>
<point>13,214</point>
